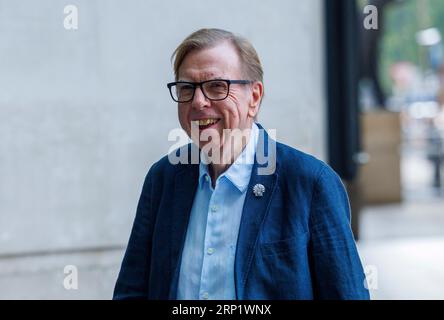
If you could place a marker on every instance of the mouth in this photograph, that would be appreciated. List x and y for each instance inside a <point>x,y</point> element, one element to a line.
<point>204,124</point>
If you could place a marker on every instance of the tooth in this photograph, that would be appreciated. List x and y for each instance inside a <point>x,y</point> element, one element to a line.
<point>205,122</point>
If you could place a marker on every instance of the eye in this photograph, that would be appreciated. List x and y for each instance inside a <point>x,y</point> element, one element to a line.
<point>186,87</point>
<point>217,84</point>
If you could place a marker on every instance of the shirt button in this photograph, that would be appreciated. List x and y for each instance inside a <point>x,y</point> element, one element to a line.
<point>205,295</point>
<point>214,208</point>
<point>210,251</point>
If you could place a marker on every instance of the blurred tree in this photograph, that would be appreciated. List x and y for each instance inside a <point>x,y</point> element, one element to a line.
<point>398,42</point>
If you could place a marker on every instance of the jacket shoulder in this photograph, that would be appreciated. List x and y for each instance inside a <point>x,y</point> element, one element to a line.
<point>296,164</point>
<point>179,159</point>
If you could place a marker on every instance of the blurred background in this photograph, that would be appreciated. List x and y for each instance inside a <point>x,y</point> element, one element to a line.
<point>84,113</point>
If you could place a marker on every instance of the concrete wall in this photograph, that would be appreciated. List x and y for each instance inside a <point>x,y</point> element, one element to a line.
<point>84,113</point>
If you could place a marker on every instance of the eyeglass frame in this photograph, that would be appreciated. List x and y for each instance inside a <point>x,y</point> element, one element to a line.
<point>200,84</point>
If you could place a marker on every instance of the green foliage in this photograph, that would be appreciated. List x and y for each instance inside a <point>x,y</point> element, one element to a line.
<point>401,23</point>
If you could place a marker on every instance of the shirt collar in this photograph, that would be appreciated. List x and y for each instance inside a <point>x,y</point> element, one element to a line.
<point>239,172</point>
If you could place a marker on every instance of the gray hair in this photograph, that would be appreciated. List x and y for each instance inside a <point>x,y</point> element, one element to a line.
<point>207,38</point>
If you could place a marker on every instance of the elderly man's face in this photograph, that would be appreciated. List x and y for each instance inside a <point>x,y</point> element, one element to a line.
<point>237,110</point>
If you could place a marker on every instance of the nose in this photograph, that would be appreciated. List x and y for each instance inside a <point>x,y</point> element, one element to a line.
<point>199,100</point>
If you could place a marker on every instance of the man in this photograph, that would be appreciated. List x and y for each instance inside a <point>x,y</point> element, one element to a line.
<point>225,228</point>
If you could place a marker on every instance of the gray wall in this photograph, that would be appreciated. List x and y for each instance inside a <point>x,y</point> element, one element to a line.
<point>84,113</point>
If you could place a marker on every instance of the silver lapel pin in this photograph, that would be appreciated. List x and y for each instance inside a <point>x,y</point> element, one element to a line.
<point>259,190</point>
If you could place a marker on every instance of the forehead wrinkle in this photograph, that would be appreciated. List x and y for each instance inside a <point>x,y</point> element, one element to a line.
<point>202,76</point>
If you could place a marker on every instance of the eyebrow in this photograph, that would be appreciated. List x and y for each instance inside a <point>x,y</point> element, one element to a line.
<point>216,78</point>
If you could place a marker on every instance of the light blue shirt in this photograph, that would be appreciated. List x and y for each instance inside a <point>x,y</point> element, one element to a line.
<point>207,268</point>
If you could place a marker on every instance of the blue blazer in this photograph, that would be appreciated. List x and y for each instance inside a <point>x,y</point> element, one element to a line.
<point>295,242</point>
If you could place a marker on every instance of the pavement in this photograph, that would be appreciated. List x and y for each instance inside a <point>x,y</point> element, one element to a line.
<point>403,245</point>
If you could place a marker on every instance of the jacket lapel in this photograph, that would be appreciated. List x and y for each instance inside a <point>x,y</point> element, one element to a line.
<point>254,212</point>
<point>186,181</point>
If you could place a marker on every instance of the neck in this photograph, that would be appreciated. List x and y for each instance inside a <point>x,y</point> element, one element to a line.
<point>216,170</point>
<point>228,155</point>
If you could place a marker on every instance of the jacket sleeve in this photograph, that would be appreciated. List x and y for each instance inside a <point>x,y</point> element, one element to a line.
<point>133,279</point>
<point>336,268</point>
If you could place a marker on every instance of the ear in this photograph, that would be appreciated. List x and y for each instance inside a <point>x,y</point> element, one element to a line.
<point>257,91</point>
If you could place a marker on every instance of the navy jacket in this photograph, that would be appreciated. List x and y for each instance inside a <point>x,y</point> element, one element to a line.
<point>295,242</point>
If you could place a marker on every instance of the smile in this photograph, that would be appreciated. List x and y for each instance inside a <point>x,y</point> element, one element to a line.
<point>206,123</point>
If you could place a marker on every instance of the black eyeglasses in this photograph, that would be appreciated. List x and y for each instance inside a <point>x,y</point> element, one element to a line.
<point>214,90</point>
